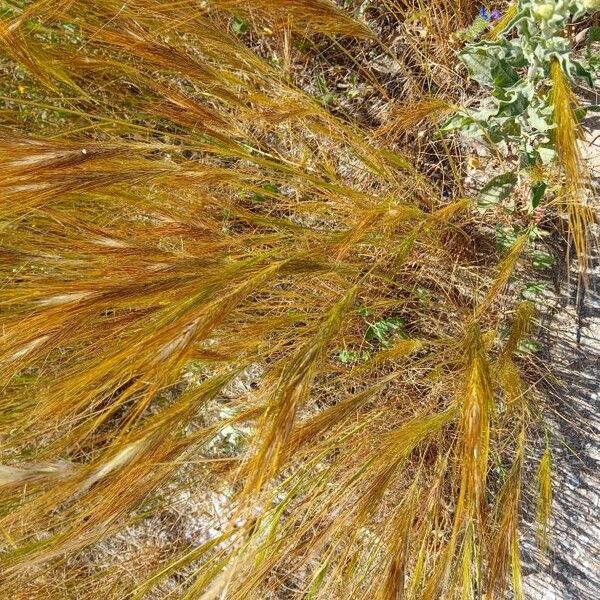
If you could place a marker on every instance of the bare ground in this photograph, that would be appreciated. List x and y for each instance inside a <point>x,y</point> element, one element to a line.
<point>571,336</point>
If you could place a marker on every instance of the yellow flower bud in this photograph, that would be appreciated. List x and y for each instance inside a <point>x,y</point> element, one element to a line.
<point>543,12</point>
<point>591,5</point>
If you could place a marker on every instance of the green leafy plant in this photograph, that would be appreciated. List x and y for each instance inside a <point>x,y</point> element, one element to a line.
<point>542,260</point>
<point>532,290</point>
<point>529,110</point>
<point>384,331</point>
<point>239,25</point>
<point>350,357</point>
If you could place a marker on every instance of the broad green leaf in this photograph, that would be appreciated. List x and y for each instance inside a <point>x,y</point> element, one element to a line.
<point>542,260</point>
<point>239,25</point>
<point>496,190</point>
<point>533,289</point>
<point>537,193</point>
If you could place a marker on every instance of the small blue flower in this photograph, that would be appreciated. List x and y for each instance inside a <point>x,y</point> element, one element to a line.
<point>486,15</point>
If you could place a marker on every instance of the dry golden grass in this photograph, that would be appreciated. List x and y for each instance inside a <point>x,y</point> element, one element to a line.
<point>176,210</point>
<point>580,215</point>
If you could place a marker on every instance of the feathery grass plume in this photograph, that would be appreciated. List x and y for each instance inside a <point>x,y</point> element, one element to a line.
<point>232,318</point>
<point>505,270</point>
<point>476,413</point>
<point>512,384</point>
<point>10,476</point>
<point>567,128</point>
<point>504,546</point>
<point>290,393</point>
<point>396,574</point>
<point>544,507</point>
<point>460,561</point>
<point>404,117</point>
<point>521,326</point>
<point>567,133</point>
<point>314,15</point>
<point>468,577</point>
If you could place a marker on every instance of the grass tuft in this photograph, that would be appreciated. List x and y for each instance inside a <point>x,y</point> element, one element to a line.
<point>221,291</point>
<point>567,134</point>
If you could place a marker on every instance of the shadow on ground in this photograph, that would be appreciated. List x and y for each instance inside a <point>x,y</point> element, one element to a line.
<point>571,336</point>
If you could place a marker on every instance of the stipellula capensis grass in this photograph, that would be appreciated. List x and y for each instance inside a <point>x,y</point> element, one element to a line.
<point>176,212</point>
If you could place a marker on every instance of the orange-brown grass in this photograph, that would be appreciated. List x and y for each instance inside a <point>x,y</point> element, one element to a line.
<point>175,213</point>
<point>567,134</point>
